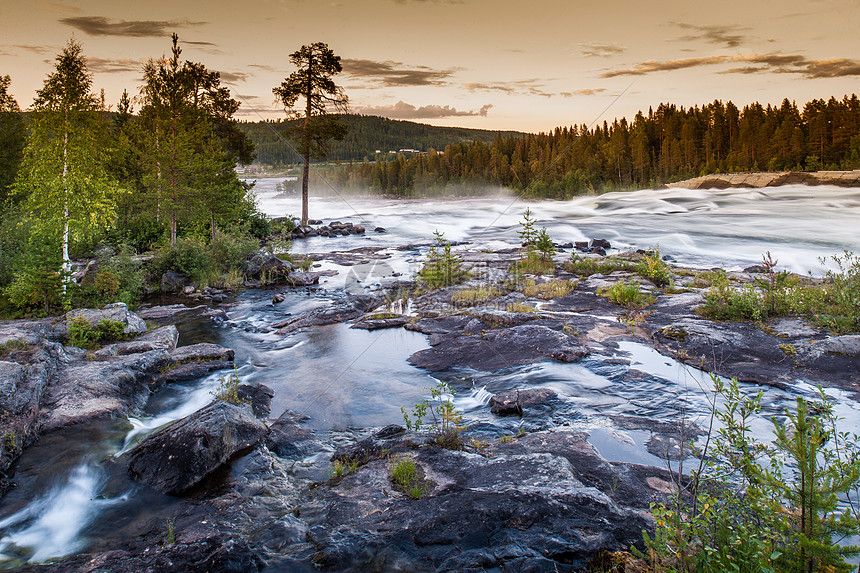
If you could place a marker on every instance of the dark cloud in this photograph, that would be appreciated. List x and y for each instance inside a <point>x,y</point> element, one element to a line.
<point>114,66</point>
<point>235,77</point>
<point>403,110</point>
<point>262,67</point>
<point>390,73</point>
<point>101,26</point>
<point>584,92</point>
<point>714,34</point>
<point>190,43</point>
<point>600,50</point>
<point>754,63</point>
<point>479,86</point>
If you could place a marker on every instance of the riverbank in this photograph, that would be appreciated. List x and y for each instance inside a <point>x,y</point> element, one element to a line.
<point>535,478</point>
<point>758,180</point>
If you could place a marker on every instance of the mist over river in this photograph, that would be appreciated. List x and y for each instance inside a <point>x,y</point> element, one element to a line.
<point>72,495</point>
<point>730,228</point>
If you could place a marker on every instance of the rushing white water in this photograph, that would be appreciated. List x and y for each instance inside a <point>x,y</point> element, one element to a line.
<point>50,525</point>
<point>731,227</point>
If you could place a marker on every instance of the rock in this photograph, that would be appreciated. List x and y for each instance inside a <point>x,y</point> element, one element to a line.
<point>599,244</point>
<point>513,403</point>
<point>380,323</point>
<point>215,552</point>
<point>117,312</point>
<point>202,352</point>
<point>173,312</point>
<point>21,391</point>
<point>846,345</point>
<point>164,338</point>
<point>340,311</point>
<point>90,389</point>
<point>278,298</point>
<point>179,456</point>
<point>379,230</point>
<point>267,266</point>
<point>173,282</point>
<point>358,230</point>
<point>288,439</point>
<point>189,290</point>
<point>193,361</point>
<point>502,348</point>
<point>546,502</point>
<point>314,222</point>
<point>259,397</point>
<point>301,279</point>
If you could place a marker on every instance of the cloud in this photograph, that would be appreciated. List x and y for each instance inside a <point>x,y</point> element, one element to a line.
<point>113,66</point>
<point>530,87</point>
<point>713,34</point>
<point>403,110</point>
<point>40,50</point>
<point>100,26</point>
<point>584,92</point>
<point>58,8</point>
<point>391,73</point>
<point>235,77</point>
<point>600,50</point>
<point>262,67</point>
<point>755,63</point>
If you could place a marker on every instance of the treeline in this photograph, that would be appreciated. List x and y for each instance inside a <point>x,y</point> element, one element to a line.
<point>77,180</point>
<point>365,135</point>
<point>668,144</point>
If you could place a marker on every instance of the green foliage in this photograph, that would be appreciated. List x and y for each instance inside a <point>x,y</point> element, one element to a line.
<point>13,138</point>
<point>528,233</point>
<point>654,268</point>
<point>340,468</point>
<point>190,256</point>
<point>726,302</point>
<point>83,334</point>
<point>170,536</point>
<point>587,266</point>
<point>447,420</point>
<point>547,290</point>
<point>39,280</point>
<point>442,267</point>
<point>118,278</point>
<point>475,296</point>
<point>836,302</point>
<point>405,477</point>
<point>627,294</point>
<point>544,246</point>
<point>228,389</point>
<point>230,250</point>
<point>755,506</point>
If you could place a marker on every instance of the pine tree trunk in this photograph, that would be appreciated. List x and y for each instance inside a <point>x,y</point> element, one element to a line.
<point>66,263</point>
<point>305,178</point>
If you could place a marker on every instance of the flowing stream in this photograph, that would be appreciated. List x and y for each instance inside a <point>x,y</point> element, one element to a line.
<point>73,496</point>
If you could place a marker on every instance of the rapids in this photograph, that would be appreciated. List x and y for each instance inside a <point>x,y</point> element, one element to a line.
<point>72,496</point>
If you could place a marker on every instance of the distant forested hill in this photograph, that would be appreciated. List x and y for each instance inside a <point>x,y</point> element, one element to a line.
<point>367,134</point>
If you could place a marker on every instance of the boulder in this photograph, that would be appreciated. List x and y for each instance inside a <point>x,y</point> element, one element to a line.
<point>501,348</point>
<point>173,282</point>
<point>178,457</point>
<point>193,361</point>
<point>168,313</point>
<point>259,397</point>
<point>340,311</point>
<point>117,312</point>
<point>300,279</point>
<point>513,403</point>
<point>164,338</point>
<point>289,439</point>
<point>88,389</point>
<point>266,265</point>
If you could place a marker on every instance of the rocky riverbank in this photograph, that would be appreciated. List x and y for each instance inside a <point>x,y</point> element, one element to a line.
<point>543,499</point>
<point>771,179</point>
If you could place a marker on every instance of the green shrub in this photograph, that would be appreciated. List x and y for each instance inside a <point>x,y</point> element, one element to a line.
<point>190,256</point>
<point>548,290</point>
<point>654,268</point>
<point>587,266</point>
<point>726,302</point>
<point>39,276</point>
<point>447,420</point>
<point>83,334</point>
<point>404,475</point>
<point>835,304</point>
<point>627,295</point>
<point>230,250</point>
<point>228,389</point>
<point>442,267</point>
<point>475,296</point>
<point>754,506</point>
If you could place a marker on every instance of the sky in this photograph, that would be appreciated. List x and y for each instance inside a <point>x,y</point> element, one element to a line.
<point>525,65</point>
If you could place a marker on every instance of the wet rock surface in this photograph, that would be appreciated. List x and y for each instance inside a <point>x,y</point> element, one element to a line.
<point>179,456</point>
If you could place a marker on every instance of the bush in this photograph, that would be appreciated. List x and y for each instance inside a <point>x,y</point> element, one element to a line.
<point>190,256</point>
<point>442,267</point>
<point>588,266</point>
<point>84,335</point>
<point>627,295</point>
<point>404,475</point>
<point>446,419</point>
<point>119,278</point>
<point>654,268</point>
<point>836,303</point>
<point>726,302</point>
<point>475,296</point>
<point>229,251</point>
<point>39,278</point>
<point>765,507</point>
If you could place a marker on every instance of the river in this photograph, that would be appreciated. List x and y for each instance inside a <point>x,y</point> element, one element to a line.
<point>72,495</point>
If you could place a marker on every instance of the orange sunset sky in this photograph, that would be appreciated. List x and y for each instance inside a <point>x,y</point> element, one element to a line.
<point>526,65</point>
